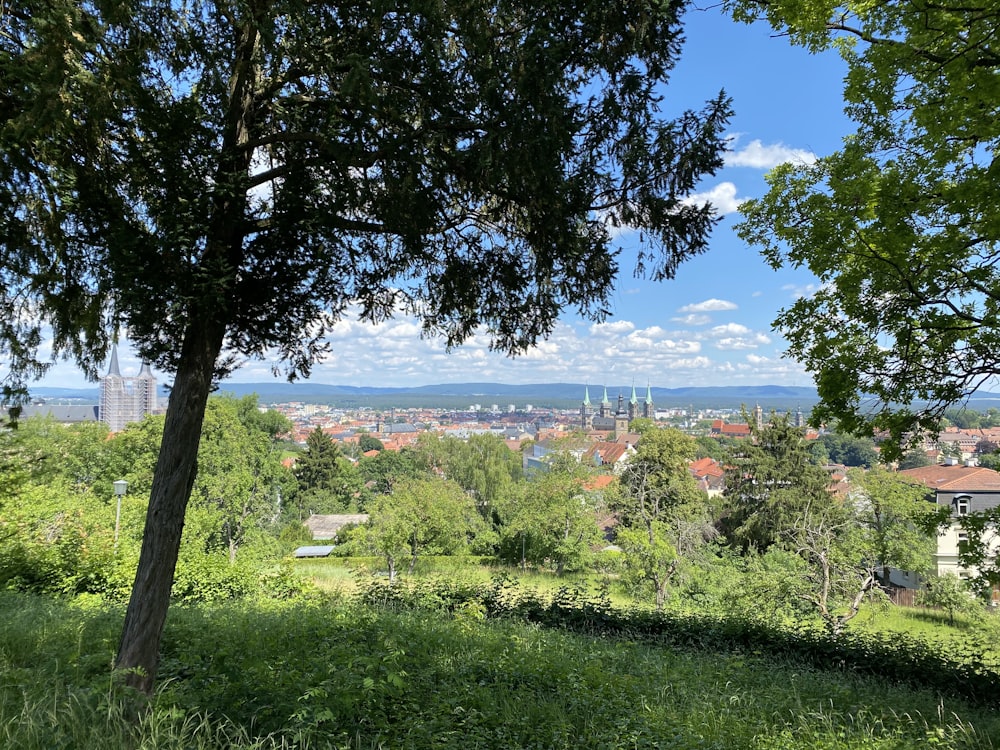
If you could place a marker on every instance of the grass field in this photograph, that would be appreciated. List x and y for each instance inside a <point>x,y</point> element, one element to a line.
<point>329,673</point>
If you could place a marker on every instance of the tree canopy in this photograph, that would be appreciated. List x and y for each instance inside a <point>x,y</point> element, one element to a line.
<point>229,179</point>
<point>770,480</point>
<point>662,514</point>
<point>900,225</point>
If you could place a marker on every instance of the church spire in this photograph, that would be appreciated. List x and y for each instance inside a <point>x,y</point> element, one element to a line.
<point>586,396</point>
<point>113,369</point>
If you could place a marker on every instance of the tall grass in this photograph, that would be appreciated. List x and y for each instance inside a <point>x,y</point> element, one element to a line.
<point>330,673</point>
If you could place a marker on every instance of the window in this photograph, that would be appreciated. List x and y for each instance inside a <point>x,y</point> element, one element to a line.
<point>962,505</point>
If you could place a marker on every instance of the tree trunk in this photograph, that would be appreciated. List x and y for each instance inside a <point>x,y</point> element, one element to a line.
<point>208,316</point>
<point>176,465</point>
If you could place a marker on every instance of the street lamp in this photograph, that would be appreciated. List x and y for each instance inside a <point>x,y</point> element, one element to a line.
<point>121,487</point>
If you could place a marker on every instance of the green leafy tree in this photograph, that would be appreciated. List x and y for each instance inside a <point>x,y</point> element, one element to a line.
<point>239,474</point>
<point>847,547</point>
<point>964,419</point>
<point>980,550</point>
<point>714,447</point>
<point>483,466</point>
<point>245,174</point>
<point>385,469</point>
<point>77,454</point>
<point>847,449</point>
<point>897,519</point>
<point>770,478</point>
<point>552,519</point>
<point>661,512</point>
<point>369,443</point>
<point>839,572</point>
<point>898,226</point>
<point>950,593</point>
<point>989,460</point>
<point>270,421</point>
<point>914,459</point>
<point>421,516</point>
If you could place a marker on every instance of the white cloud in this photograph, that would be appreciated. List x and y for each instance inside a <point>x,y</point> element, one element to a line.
<point>738,343</point>
<point>693,319</point>
<point>729,329</point>
<point>709,305</point>
<point>616,352</point>
<point>613,328</point>
<point>722,198</point>
<point>759,156</point>
<point>797,291</point>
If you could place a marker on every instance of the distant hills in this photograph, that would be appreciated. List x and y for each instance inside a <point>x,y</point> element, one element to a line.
<point>462,395</point>
<point>543,395</point>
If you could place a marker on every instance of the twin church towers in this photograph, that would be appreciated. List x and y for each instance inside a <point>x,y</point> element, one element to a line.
<point>604,420</point>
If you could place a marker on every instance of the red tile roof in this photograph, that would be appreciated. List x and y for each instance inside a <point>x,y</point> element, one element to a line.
<point>955,478</point>
<point>599,482</point>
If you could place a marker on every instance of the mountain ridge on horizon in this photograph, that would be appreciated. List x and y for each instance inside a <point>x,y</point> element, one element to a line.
<point>572,391</point>
<point>450,395</point>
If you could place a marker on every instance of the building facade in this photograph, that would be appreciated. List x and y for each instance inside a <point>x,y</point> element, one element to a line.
<point>620,420</point>
<point>963,489</point>
<point>125,400</point>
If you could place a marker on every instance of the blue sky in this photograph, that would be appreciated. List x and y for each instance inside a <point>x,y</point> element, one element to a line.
<point>709,326</point>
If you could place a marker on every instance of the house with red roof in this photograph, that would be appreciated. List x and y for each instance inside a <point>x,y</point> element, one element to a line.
<point>721,428</point>
<point>611,454</point>
<point>709,475</point>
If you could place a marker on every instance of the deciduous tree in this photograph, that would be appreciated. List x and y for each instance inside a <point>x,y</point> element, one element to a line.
<point>899,226</point>
<point>420,516</point>
<point>239,473</point>
<point>229,179</point>
<point>552,519</point>
<point>661,512</point>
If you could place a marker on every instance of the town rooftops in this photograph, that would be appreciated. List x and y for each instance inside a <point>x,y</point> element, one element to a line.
<point>955,478</point>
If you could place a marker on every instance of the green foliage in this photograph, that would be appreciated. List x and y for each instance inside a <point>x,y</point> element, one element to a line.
<point>449,664</point>
<point>239,474</point>
<point>980,550</point>
<point>431,516</point>
<point>914,459</point>
<point>229,180</point>
<point>551,520</point>
<point>770,479</point>
<point>952,594</point>
<point>846,449</point>
<point>661,512</point>
<point>899,225</point>
<point>897,518</point>
<point>483,466</point>
<point>385,469</point>
<point>58,523</point>
<point>369,443</point>
<point>327,481</point>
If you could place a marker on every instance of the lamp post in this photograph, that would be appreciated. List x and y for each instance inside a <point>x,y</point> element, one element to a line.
<point>121,487</point>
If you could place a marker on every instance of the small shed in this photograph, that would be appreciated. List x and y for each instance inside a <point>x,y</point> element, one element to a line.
<point>322,550</point>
